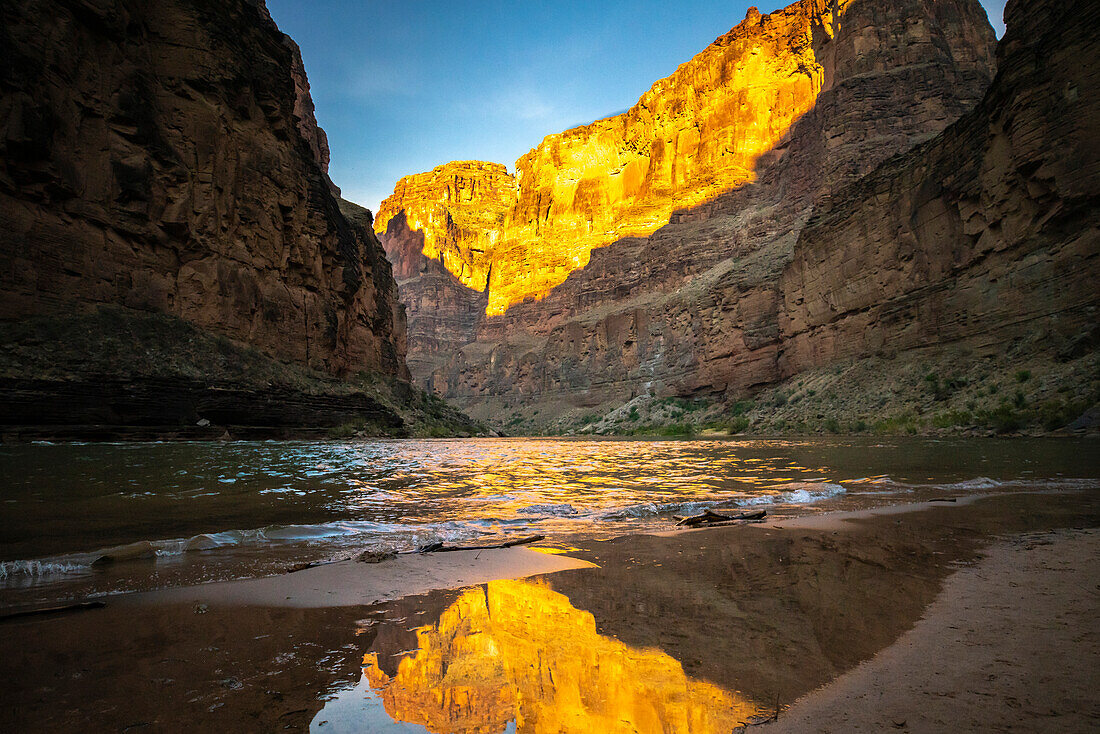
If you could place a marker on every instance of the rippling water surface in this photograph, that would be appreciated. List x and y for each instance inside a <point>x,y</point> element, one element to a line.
<point>184,512</point>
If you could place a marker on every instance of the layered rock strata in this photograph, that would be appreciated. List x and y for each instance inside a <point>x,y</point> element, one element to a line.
<point>695,306</point>
<point>460,210</point>
<point>988,234</point>
<point>448,311</point>
<point>165,157</point>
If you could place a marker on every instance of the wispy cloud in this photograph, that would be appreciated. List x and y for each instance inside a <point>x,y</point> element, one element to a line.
<point>521,103</point>
<point>372,78</point>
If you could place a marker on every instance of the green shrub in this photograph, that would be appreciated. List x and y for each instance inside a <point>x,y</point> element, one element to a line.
<point>832,425</point>
<point>1003,419</point>
<point>741,407</point>
<point>1023,375</point>
<point>1055,414</point>
<point>344,430</point>
<point>904,423</point>
<point>739,424</point>
<point>943,390</point>
<point>951,419</point>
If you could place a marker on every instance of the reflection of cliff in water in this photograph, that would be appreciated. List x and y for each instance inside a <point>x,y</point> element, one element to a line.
<point>517,651</point>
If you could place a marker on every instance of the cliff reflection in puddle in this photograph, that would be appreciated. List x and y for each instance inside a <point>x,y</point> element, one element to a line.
<point>516,656</point>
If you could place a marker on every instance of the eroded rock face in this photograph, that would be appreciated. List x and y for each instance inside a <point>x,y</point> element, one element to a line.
<point>695,306</point>
<point>165,156</point>
<point>460,209</point>
<point>987,234</point>
<point>692,136</point>
<point>449,311</point>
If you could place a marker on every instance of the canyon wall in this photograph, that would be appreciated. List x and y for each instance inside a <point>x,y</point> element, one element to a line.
<point>460,209</point>
<point>164,157</point>
<point>694,135</point>
<point>737,147</point>
<point>988,234</point>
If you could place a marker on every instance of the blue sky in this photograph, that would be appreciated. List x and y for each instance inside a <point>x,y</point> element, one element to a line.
<point>401,87</point>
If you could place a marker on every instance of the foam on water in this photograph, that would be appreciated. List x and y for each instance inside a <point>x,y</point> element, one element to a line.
<point>40,568</point>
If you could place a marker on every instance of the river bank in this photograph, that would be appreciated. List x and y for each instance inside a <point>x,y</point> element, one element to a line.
<point>742,618</point>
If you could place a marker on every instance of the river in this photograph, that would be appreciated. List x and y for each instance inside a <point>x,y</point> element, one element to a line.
<point>185,513</point>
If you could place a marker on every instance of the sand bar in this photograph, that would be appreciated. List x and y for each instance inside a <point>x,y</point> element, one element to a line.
<point>1010,644</point>
<point>350,583</point>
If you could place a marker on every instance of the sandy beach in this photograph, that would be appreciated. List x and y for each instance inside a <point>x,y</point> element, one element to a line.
<point>1010,644</point>
<point>929,617</point>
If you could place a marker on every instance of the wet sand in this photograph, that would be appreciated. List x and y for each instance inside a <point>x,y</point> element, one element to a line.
<point>351,583</point>
<point>829,606</point>
<point>1011,644</point>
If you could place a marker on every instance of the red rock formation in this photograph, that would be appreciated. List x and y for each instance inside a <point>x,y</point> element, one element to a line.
<point>459,209</point>
<point>694,307</point>
<point>165,157</point>
<point>449,310</point>
<point>987,234</point>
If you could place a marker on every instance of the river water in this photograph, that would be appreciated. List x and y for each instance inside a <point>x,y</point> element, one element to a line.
<point>183,513</point>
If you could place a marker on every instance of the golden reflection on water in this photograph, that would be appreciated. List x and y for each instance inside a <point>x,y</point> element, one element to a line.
<point>514,479</point>
<point>518,651</point>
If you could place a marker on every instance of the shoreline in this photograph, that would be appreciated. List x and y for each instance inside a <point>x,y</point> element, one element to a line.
<point>1018,630</point>
<point>78,434</point>
<point>781,611</point>
<point>351,583</point>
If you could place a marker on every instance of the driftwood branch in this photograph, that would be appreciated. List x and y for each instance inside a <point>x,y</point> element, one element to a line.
<point>440,548</point>
<point>369,556</point>
<point>712,518</point>
<point>79,607</point>
<point>314,564</point>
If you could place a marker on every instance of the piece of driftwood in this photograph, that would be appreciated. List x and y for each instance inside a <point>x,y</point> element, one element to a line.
<point>710,518</point>
<point>440,548</point>
<point>314,564</point>
<point>722,523</point>
<point>78,607</point>
<point>944,499</point>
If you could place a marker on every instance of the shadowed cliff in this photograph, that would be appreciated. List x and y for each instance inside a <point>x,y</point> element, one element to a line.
<point>162,161</point>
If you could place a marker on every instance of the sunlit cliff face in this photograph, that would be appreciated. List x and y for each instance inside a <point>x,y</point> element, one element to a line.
<point>692,136</point>
<point>517,651</point>
<point>461,208</point>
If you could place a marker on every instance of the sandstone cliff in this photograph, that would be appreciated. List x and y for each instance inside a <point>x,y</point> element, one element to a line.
<point>460,209</point>
<point>161,169</point>
<point>694,135</point>
<point>165,156</point>
<point>988,233</point>
<point>694,309</point>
